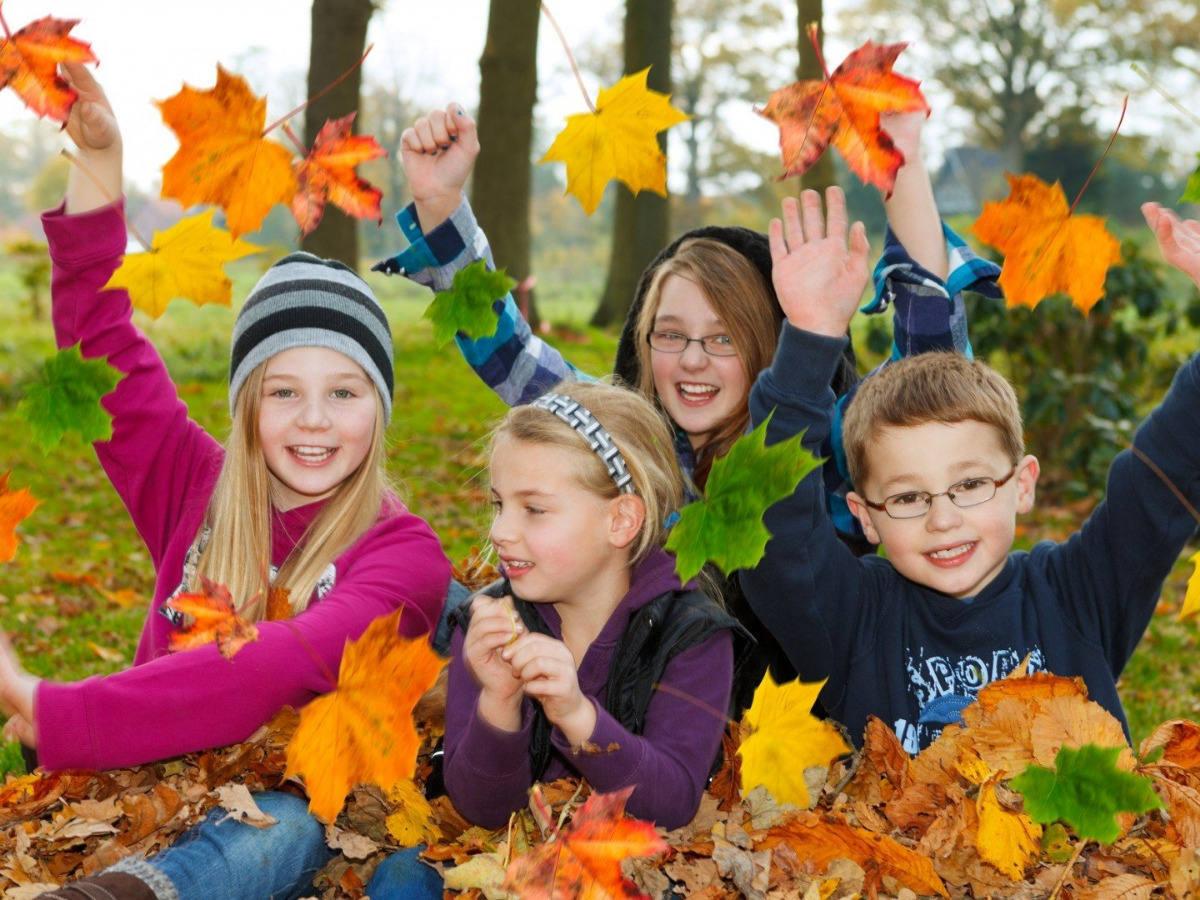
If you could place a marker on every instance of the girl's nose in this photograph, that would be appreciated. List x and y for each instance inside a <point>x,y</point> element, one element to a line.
<point>314,415</point>
<point>693,356</point>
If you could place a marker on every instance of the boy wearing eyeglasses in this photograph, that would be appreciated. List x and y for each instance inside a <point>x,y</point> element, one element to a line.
<point>935,451</point>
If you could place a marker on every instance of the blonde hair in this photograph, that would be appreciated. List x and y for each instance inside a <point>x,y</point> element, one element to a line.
<point>640,433</point>
<point>744,303</point>
<point>238,551</point>
<point>930,387</point>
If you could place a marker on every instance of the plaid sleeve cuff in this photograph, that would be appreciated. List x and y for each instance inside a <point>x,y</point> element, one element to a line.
<point>433,259</point>
<point>896,270</point>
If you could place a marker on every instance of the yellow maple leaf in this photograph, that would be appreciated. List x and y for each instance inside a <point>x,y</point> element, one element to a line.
<point>786,739</point>
<point>412,822</point>
<point>223,157</point>
<point>1191,600</point>
<point>184,261</point>
<point>616,141</point>
<point>362,731</point>
<point>1008,840</point>
<point>1046,249</point>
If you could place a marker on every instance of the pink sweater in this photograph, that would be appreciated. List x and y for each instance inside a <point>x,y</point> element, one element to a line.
<point>164,467</point>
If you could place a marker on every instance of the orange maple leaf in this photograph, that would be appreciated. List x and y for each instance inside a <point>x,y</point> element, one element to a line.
<point>223,157</point>
<point>29,64</point>
<point>1046,249</point>
<point>14,506</point>
<point>213,618</point>
<point>584,859</point>
<point>327,173</point>
<point>362,731</point>
<point>844,110</point>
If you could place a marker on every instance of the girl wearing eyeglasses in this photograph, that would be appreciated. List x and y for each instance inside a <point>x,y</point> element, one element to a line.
<point>705,319</point>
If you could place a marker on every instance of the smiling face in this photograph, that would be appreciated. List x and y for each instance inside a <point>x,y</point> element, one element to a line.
<point>952,550</point>
<point>699,392</point>
<point>558,542</point>
<point>316,422</point>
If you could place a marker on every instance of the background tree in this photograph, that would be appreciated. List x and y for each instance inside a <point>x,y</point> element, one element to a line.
<point>823,174</point>
<point>507,93</point>
<point>339,34</point>
<point>641,226</point>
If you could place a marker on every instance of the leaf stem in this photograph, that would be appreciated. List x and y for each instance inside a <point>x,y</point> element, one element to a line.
<point>695,701</point>
<point>296,142</point>
<point>1163,92</point>
<point>570,57</point>
<point>318,95</point>
<point>104,191</point>
<point>1171,486</point>
<point>1107,147</point>
<point>4,24</point>
<point>813,31</point>
<point>1062,879</point>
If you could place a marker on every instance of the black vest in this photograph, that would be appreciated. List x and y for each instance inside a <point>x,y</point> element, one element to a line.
<point>656,633</point>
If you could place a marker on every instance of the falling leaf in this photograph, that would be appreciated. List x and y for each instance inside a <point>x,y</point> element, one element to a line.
<point>475,571</point>
<point>184,261</point>
<point>1191,193</point>
<point>584,861</point>
<point>279,604</point>
<point>211,617</point>
<point>29,62</point>
<point>327,173</point>
<point>1086,790</point>
<point>725,526</point>
<point>223,157</point>
<point>362,731</point>
<point>819,842</point>
<point>618,141</point>
<point>412,822</point>
<point>786,740</point>
<point>65,396</point>
<point>1191,600</point>
<point>1006,839</point>
<point>468,305</point>
<point>14,506</point>
<point>844,111</point>
<point>1047,250</point>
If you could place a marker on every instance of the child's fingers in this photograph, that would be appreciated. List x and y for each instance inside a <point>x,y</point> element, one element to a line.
<point>776,241</point>
<point>437,126</point>
<point>424,132</point>
<point>835,213</point>
<point>540,667</point>
<point>410,142</point>
<point>466,133</point>
<point>860,247</point>
<point>814,223</point>
<point>792,232</point>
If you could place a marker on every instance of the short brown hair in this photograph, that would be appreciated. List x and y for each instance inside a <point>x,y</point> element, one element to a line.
<point>930,387</point>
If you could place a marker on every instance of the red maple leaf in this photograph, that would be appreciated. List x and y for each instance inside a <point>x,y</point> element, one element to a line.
<point>29,64</point>
<point>327,174</point>
<point>213,618</point>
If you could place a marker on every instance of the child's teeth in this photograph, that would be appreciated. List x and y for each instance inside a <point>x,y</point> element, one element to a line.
<point>951,552</point>
<point>697,389</point>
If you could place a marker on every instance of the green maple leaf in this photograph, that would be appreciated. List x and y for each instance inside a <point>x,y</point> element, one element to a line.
<point>1191,193</point>
<point>65,396</point>
<point>726,525</point>
<point>1086,790</point>
<point>467,306</point>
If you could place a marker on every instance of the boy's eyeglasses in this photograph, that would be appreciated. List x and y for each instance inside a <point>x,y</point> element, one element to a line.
<point>965,493</point>
<point>674,342</point>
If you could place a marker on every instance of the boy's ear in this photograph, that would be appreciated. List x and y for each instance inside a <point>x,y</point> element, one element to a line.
<point>861,511</point>
<point>1028,470</point>
<point>626,515</point>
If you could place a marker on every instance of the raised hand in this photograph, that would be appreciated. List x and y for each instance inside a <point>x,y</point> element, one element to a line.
<point>92,125</point>
<point>1179,239</point>
<point>547,672</point>
<point>819,273</point>
<point>911,209</point>
<point>438,152</point>
<point>494,625</point>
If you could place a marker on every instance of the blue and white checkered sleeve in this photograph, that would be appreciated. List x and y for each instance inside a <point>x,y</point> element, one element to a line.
<point>433,259</point>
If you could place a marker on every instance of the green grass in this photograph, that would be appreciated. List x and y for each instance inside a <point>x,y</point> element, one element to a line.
<point>67,630</point>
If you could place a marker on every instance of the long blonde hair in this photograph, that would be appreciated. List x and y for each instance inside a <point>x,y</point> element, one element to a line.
<point>238,551</point>
<point>743,302</point>
<point>641,434</point>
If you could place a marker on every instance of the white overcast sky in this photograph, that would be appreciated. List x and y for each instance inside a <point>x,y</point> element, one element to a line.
<point>430,48</point>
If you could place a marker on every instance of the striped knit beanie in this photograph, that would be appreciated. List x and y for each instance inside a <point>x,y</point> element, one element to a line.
<point>306,301</point>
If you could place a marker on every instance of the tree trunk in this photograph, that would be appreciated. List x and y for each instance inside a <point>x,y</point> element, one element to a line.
<point>642,226</point>
<point>339,33</point>
<point>821,175</point>
<point>507,94</point>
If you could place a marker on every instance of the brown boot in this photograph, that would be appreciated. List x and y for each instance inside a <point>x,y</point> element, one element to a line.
<point>105,886</point>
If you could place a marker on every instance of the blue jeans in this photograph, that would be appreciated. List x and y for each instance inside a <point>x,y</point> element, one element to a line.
<point>227,859</point>
<point>402,876</point>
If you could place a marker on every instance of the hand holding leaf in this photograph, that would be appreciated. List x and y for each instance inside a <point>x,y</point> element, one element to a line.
<point>547,671</point>
<point>818,276</point>
<point>92,123</point>
<point>494,625</point>
<point>1179,239</point>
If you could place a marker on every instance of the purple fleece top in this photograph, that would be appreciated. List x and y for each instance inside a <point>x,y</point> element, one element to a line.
<point>164,467</point>
<point>488,771</point>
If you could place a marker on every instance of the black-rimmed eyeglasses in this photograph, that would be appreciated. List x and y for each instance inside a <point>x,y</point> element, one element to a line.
<point>963,494</point>
<point>674,342</point>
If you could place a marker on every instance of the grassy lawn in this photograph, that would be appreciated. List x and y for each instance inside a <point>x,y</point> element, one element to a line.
<point>74,597</point>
